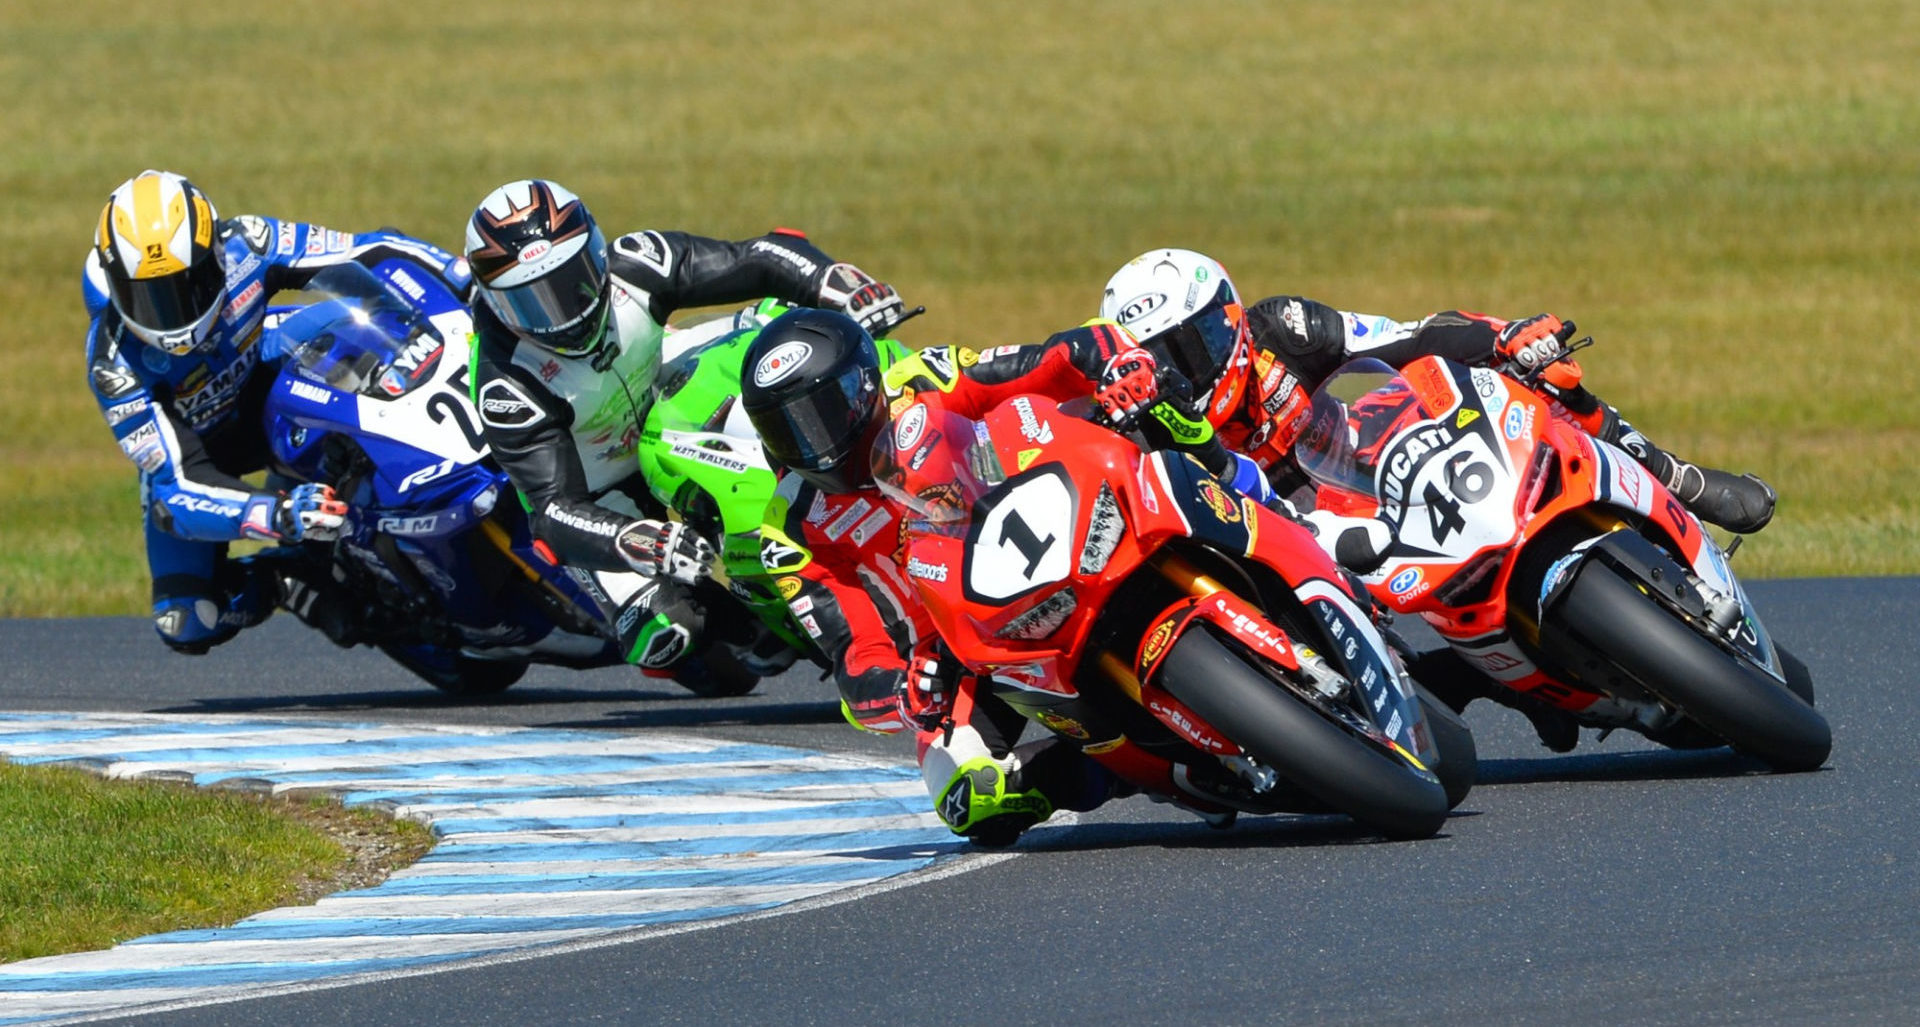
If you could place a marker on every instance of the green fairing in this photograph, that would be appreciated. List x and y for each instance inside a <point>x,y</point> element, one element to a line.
<point>701,459</point>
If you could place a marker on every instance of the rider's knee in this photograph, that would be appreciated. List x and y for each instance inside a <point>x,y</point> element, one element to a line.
<point>190,625</point>
<point>660,626</point>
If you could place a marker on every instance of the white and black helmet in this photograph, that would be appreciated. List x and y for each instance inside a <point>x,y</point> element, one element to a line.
<point>540,264</point>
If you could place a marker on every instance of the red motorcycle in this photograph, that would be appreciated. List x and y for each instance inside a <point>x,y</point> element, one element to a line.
<point>1131,603</point>
<point>1554,562</point>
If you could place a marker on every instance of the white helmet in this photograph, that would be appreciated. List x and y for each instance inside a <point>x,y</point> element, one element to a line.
<point>1182,306</point>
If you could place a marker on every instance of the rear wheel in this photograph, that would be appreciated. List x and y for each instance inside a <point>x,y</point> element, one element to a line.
<point>456,673</point>
<point>1300,744</point>
<point>715,673</point>
<point>1722,693</point>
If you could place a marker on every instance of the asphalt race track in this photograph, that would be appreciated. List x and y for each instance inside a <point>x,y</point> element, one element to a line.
<point>1620,884</point>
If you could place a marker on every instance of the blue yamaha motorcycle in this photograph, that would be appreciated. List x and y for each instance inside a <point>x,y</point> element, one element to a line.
<point>438,562</point>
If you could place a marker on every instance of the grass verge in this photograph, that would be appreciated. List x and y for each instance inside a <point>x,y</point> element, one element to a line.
<point>87,862</point>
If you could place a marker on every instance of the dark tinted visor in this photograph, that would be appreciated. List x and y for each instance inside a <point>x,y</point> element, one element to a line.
<point>817,430</point>
<point>1200,346</point>
<point>170,302</point>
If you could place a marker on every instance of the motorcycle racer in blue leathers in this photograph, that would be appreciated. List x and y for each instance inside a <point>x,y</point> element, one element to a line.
<point>177,298</point>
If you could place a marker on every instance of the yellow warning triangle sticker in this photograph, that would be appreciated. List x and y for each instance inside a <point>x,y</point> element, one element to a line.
<point>1027,457</point>
<point>1467,414</point>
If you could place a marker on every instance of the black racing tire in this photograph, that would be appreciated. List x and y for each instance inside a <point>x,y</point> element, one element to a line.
<point>469,676</point>
<point>716,674</point>
<point>1459,756</point>
<point>1799,678</point>
<point>1739,703</point>
<point>1300,744</point>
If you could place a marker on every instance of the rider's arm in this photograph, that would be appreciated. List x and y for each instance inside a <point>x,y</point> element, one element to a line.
<point>187,495</point>
<point>678,270</point>
<point>296,251</point>
<point>529,431</point>
<point>1314,339</point>
<point>1067,365</point>
<point>831,605</point>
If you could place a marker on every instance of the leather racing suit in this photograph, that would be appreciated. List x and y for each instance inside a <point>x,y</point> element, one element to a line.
<point>567,429</point>
<point>192,424</point>
<point>838,561</point>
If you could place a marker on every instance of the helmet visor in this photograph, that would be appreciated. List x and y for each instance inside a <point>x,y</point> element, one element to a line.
<point>1202,346</point>
<point>170,302</point>
<point>817,430</point>
<point>561,308</point>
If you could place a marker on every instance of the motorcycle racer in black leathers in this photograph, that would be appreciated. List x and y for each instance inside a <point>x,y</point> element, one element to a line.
<point>569,331</point>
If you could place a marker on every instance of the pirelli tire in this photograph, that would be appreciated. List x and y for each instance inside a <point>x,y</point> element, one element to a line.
<point>1727,696</point>
<point>1307,748</point>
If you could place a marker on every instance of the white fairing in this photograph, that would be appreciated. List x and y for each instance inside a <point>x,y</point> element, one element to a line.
<point>440,418</point>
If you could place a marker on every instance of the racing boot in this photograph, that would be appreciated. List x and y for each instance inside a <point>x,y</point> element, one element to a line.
<point>309,591</point>
<point>1742,504</point>
<point>983,804</point>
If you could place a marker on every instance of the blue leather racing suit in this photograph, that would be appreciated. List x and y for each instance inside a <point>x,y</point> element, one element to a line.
<point>192,424</point>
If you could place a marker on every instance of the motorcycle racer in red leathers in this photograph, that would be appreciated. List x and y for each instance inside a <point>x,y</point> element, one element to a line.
<point>819,397</point>
<point>1255,367</point>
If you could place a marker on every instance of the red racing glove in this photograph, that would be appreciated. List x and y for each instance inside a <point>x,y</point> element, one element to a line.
<point>1128,385</point>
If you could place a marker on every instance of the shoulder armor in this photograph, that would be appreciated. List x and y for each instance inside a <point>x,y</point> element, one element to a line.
<point>254,229</point>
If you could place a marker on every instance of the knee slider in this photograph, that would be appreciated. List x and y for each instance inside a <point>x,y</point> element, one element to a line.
<point>660,626</point>
<point>191,624</point>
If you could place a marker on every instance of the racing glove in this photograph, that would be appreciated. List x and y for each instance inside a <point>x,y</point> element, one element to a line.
<point>665,548</point>
<point>933,676</point>
<point>1128,386</point>
<point>860,296</point>
<point>1537,342</point>
<point>310,513</point>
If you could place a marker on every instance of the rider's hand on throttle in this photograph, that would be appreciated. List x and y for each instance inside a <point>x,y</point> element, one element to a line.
<point>873,303</point>
<point>1533,342</point>
<point>657,548</point>
<point>311,513</point>
<point>1128,385</point>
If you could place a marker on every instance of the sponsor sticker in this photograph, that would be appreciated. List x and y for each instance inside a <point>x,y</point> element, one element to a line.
<point>780,364</point>
<point>1141,306</point>
<point>503,405</point>
<point>848,517</point>
<point>912,425</point>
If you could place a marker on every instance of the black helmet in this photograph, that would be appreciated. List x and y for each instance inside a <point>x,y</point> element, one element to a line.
<point>811,386</point>
<point>540,263</point>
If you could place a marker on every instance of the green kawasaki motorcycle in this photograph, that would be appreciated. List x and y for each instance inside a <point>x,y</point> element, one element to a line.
<point>702,458</point>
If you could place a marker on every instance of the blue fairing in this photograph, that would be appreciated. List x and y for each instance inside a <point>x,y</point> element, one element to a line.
<point>379,361</point>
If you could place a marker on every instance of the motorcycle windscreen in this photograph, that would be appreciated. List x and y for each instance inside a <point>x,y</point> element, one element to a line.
<point>936,463</point>
<point>357,336</point>
<point>1355,411</point>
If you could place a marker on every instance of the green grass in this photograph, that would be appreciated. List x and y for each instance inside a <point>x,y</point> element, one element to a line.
<point>86,862</point>
<point>1726,193</point>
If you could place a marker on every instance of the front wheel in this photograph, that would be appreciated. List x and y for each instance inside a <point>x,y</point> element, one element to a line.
<point>1453,740</point>
<point>1722,693</point>
<point>1300,744</point>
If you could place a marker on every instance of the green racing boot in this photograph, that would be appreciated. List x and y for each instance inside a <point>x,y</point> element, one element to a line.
<point>982,805</point>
